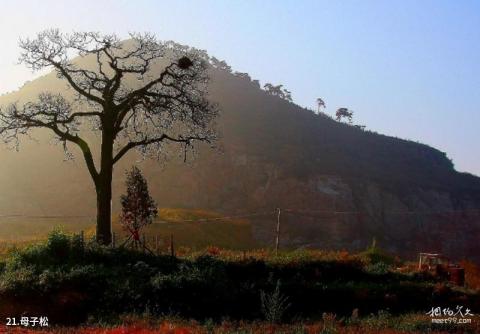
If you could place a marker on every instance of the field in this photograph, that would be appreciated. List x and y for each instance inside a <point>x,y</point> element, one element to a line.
<point>197,229</point>
<point>191,229</point>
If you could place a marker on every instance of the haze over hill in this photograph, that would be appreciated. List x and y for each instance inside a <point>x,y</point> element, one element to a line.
<point>338,186</point>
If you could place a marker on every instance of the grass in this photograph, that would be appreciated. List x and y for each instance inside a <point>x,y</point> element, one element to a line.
<point>26,229</point>
<point>217,290</point>
<point>381,323</point>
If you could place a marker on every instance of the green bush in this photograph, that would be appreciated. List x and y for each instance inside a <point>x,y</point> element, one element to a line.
<point>377,260</point>
<point>22,280</point>
<point>67,277</point>
<point>58,244</point>
<point>378,268</point>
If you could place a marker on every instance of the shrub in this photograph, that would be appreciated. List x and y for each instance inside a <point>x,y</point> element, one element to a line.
<point>378,268</point>
<point>274,304</point>
<point>97,279</point>
<point>329,323</point>
<point>374,255</point>
<point>472,274</point>
<point>21,280</point>
<point>58,244</point>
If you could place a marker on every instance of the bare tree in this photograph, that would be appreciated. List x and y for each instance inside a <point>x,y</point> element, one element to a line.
<point>166,103</point>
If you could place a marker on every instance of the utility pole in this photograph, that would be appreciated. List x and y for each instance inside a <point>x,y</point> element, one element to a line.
<point>172,249</point>
<point>277,239</point>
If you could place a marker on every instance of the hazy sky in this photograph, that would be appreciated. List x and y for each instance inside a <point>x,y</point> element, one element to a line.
<point>407,68</point>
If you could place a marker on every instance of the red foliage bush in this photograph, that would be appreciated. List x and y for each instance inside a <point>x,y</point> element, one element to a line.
<point>213,250</point>
<point>472,274</point>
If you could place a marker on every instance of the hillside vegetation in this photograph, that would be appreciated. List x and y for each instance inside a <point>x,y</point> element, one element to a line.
<point>257,125</point>
<point>273,153</point>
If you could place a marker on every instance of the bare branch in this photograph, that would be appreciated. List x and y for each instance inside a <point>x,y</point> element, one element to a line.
<point>146,142</point>
<point>52,49</point>
<point>169,96</point>
<point>51,112</point>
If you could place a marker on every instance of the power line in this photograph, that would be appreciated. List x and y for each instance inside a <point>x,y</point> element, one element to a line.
<point>203,220</point>
<point>44,216</point>
<point>409,212</point>
<point>253,214</point>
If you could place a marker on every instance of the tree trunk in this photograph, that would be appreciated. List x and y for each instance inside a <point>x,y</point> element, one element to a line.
<point>104,190</point>
<point>104,210</point>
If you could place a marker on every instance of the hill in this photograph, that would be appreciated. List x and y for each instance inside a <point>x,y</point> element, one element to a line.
<point>338,186</point>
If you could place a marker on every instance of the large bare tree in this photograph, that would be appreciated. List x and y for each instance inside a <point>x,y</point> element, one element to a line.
<point>139,94</point>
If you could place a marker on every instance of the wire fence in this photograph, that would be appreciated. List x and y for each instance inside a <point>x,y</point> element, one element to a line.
<point>157,244</point>
<point>272,212</point>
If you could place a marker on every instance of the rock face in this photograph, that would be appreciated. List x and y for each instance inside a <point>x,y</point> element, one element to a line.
<point>338,186</point>
<point>331,212</point>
